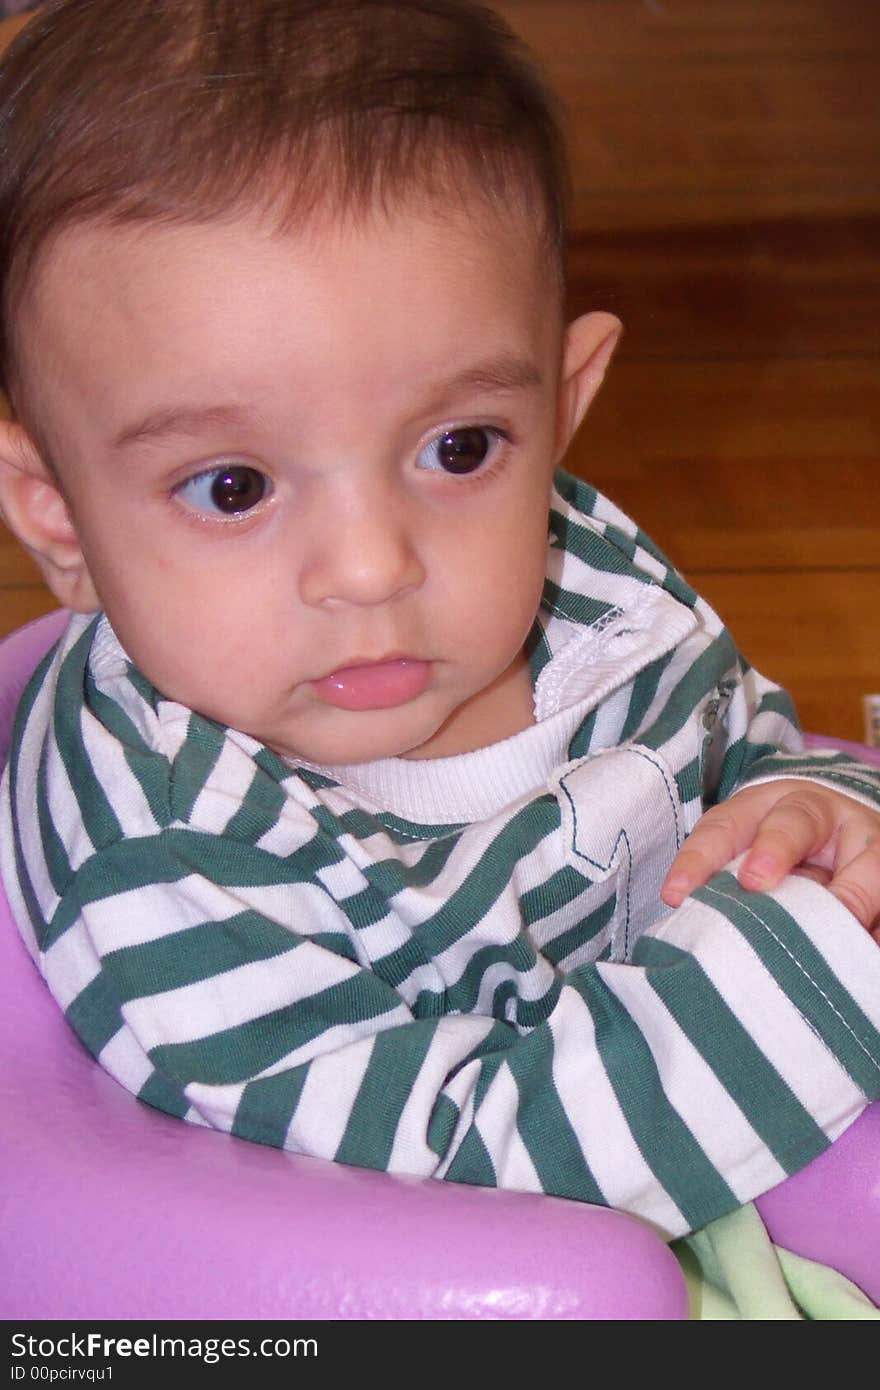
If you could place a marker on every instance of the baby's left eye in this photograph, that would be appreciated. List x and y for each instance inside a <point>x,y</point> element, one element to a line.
<point>460,450</point>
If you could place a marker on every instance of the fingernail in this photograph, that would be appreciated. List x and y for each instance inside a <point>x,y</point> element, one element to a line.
<point>759,870</point>
<point>676,886</point>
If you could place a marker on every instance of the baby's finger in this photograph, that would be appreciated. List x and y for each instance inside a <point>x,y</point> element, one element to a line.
<point>857,886</point>
<point>720,836</point>
<point>794,830</point>
<point>857,834</point>
<point>814,872</point>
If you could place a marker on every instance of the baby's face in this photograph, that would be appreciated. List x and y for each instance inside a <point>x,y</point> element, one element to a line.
<point>310,473</point>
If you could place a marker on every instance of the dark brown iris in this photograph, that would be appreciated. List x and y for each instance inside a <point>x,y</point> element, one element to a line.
<point>462,451</point>
<point>238,489</point>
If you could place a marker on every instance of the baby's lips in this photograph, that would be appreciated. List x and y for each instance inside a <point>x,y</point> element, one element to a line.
<point>374,685</point>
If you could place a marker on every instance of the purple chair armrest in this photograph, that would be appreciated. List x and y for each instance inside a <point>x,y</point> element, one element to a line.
<point>830,1210</point>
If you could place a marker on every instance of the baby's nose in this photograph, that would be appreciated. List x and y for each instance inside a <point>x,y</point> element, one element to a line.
<point>365,555</point>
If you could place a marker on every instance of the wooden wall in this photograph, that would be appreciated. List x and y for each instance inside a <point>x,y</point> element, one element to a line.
<point>727,207</point>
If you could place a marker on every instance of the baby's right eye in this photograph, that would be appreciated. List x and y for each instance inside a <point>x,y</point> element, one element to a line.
<point>226,491</point>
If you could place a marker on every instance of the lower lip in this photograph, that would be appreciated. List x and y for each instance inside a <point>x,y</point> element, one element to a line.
<point>381,685</point>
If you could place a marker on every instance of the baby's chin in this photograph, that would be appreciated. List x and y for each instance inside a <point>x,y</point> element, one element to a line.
<point>364,736</point>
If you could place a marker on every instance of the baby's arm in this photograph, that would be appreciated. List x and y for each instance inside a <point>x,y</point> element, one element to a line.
<point>787,824</point>
<point>751,737</point>
<point>808,811</point>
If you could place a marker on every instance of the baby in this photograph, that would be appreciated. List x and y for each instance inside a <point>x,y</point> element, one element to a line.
<point>378,802</point>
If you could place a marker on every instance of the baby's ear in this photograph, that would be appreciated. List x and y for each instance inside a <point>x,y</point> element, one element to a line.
<point>33,507</point>
<point>588,347</point>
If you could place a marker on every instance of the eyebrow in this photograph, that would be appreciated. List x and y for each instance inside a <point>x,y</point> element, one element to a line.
<point>181,420</point>
<point>504,373</point>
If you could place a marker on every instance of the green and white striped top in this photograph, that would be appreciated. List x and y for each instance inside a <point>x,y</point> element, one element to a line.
<point>458,967</point>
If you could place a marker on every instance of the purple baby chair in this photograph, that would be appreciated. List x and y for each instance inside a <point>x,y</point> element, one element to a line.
<point>113,1210</point>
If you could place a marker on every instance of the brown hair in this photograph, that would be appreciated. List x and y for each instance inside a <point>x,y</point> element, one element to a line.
<point>189,109</point>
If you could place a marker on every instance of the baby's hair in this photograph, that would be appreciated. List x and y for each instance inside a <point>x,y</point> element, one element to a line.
<point>190,110</point>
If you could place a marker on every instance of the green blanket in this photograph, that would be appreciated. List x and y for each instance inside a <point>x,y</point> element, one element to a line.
<point>733,1270</point>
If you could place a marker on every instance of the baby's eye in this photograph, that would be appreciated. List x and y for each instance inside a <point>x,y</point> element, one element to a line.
<point>459,451</point>
<point>228,491</point>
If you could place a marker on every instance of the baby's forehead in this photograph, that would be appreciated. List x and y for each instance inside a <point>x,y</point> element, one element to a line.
<point>404,299</point>
<point>88,249</point>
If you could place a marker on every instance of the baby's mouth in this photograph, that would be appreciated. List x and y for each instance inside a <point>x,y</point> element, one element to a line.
<point>374,684</point>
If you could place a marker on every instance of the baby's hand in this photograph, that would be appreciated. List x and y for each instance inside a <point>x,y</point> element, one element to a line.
<point>791,826</point>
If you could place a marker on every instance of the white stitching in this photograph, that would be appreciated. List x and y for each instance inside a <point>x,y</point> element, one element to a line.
<point>716,892</point>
